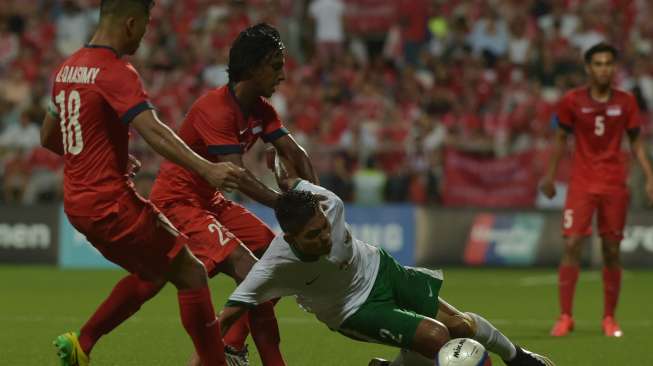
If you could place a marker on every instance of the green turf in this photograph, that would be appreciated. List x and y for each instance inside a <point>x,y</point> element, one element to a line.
<point>37,303</point>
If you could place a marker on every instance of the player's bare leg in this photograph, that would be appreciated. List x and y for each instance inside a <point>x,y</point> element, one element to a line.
<point>470,325</point>
<point>197,313</point>
<point>611,285</point>
<point>126,298</point>
<point>568,273</point>
<point>430,336</point>
<point>265,330</point>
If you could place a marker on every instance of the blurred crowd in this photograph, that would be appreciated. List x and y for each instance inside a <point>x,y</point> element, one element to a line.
<point>376,90</point>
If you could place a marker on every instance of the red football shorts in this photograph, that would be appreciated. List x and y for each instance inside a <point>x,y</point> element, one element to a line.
<point>133,235</point>
<point>215,231</point>
<point>611,209</point>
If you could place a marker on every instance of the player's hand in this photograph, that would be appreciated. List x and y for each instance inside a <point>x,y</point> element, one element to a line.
<point>323,201</point>
<point>225,176</point>
<point>649,191</point>
<point>133,166</point>
<point>284,172</point>
<point>548,188</point>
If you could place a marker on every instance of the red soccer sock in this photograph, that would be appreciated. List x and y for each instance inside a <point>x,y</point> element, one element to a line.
<point>611,288</point>
<point>567,278</point>
<point>198,318</point>
<point>265,332</point>
<point>238,332</point>
<point>126,298</point>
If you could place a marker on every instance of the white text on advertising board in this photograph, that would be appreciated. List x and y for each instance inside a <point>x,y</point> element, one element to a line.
<point>386,236</point>
<point>636,236</point>
<point>24,236</point>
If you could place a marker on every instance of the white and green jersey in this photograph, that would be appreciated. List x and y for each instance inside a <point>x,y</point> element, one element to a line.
<point>332,287</point>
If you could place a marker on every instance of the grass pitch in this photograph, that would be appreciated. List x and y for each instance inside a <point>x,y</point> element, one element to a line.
<point>38,303</point>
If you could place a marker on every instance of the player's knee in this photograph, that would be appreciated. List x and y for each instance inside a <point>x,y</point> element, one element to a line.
<point>431,335</point>
<point>241,261</point>
<point>188,272</point>
<point>574,244</point>
<point>461,326</point>
<point>611,256</point>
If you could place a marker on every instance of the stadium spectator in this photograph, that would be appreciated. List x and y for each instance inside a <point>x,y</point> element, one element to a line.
<point>21,136</point>
<point>329,28</point>
<point>542,39</point>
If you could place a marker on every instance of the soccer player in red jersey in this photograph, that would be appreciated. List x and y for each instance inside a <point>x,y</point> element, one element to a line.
<point>597,115</point>
<point>222,125</point>
<point>96,95</point>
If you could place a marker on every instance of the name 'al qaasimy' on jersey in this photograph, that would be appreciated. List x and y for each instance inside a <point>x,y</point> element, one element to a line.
<point>77,74</point>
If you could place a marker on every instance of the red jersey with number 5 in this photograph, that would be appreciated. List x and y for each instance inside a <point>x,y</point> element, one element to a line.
<point>599,165</point>
<point>96,94</point>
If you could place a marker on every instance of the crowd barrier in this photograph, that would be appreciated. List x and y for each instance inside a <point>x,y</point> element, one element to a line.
<point>425,236</point>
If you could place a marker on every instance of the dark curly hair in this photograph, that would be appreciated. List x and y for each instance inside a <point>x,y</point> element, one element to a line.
<point>600,48</point>
<point>251,48</point>
<point>122,7</point>
<point>294,209</point>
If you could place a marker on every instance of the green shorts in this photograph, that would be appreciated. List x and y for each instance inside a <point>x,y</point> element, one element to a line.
<point>401,298</point>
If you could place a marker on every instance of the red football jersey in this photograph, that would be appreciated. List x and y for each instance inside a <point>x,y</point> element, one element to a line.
<point>96,94</point>
<point>599,165</point>
<point>215,125</point>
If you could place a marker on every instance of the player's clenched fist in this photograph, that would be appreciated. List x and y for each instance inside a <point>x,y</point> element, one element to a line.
<point>548,188</point>
<point>224,176</point>
<point>133,166</point>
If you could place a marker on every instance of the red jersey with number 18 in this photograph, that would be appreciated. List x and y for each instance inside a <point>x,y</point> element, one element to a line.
<point>599,165</point>
<point>96,94</point>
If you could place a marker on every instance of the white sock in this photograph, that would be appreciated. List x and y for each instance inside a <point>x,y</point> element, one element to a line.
<point>410,358</point>
<point>493,340</point>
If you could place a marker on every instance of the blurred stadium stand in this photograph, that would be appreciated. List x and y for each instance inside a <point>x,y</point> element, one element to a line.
<point>417,101</point>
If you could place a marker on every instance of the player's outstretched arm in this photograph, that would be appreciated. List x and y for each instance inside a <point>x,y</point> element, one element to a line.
<point>51,134</point>
<point>165,142</point>
<point>296,157</point>
<point>547,186</point>
<point>284,171</point>
<point>639,150</point>
<point>250,185</point>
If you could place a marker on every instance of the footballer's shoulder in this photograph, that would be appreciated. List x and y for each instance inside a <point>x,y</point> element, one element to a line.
<point>576,93</point>
<point>622,94</point>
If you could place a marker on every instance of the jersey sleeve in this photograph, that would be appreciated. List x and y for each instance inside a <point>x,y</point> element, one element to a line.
<point>272,126</point>
<point>218,129</point>
<point>122,88</point>
<point>259,286</point>
<point>564,116</point>
<point>633,123</point>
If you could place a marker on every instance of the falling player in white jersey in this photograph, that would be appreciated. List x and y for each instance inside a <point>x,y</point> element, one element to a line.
<point>355,288</point>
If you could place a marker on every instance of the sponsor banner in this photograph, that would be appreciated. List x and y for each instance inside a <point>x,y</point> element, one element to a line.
<point>28,234</point>
<point>504,239</point>
<point>391,227</point>
<point>515,238</point>
<point>75,251</point>
<point>471,180</point>
<point>455,237</point>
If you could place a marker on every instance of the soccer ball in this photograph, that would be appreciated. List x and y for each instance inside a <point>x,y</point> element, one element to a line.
<point>463,352</point>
